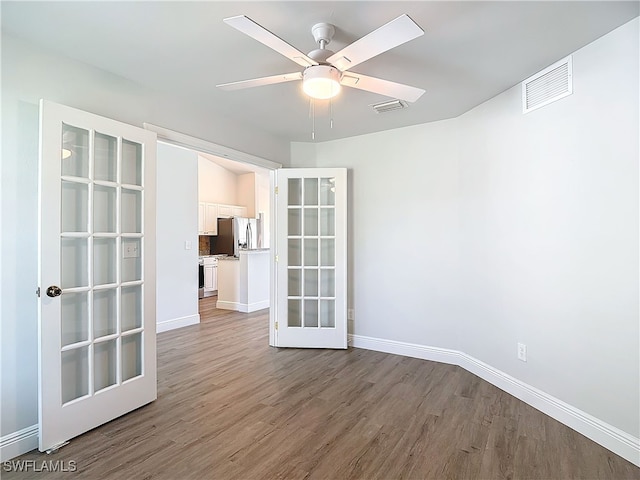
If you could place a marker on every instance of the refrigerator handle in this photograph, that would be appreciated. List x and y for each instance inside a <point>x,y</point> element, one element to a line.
<point>249,246</point>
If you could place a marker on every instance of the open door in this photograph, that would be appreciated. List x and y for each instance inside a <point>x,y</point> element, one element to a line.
<point>311,258</point>
<point>96,255</point>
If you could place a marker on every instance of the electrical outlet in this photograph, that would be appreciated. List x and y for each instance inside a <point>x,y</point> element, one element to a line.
<point>350,314</point>
<point>522,352</point>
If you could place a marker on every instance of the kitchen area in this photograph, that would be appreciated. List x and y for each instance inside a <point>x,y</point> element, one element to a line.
<point>233,234</point>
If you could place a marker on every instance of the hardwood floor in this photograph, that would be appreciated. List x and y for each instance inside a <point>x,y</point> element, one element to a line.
<point>231,407</point>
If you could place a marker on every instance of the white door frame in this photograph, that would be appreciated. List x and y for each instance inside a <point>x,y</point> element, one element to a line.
<point>204,146</point>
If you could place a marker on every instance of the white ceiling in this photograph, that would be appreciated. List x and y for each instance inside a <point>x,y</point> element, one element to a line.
<point>471,51</point>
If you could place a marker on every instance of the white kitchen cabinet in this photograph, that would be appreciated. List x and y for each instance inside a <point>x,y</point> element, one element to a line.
<point>210,274</point>
<point>210,278</point>
<point>224,211</point>
<point>201,218</point>
<point>237,211</point>
<point>207,219</point>
<point>227,211</point>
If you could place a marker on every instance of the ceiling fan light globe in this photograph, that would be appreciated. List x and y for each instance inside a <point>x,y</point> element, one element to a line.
<point>321,82</point>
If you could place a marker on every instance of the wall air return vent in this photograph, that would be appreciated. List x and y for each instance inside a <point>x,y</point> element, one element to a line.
<point>549,85</point>
<point>389,106</point>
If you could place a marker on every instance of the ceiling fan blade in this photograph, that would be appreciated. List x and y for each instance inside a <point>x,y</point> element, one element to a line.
<point>388,36</point>
<point>383,87</point>
<point>264,36</point>
<point>259,82</point>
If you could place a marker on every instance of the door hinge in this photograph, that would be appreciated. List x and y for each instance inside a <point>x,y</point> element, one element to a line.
<point>277,258</point>
<point>276,325</point>
<point>38,292</point>
<point>276,190</point>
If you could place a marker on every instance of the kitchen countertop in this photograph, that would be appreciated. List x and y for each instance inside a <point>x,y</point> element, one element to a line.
<point>245,252</point>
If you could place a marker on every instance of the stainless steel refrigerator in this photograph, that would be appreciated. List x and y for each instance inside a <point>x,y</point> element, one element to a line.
<point>238,233</point>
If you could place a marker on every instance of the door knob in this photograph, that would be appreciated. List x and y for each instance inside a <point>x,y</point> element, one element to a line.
<point>54,291</point>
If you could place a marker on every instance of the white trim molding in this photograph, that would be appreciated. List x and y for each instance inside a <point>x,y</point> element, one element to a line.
<point>174,323</point>
<point>608,436</point>
<point>205,146</point>
<point>19,442</point>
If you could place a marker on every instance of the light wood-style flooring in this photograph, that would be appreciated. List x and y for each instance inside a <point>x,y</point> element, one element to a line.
<point>231,407</point>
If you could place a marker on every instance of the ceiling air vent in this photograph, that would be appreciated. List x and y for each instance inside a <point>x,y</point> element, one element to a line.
<point>389,106</point>
<point>549,85</point>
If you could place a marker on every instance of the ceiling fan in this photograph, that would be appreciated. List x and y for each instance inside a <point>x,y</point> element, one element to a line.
<point>325,71</point>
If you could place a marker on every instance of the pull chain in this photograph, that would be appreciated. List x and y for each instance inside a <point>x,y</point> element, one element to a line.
<point>331,112</point>
<point>312,114</point>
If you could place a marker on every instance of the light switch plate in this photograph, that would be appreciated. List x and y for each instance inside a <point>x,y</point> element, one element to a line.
<point>130,250</point>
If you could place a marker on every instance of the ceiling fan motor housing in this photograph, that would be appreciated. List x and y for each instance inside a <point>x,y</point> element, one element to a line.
<point>323,33</point>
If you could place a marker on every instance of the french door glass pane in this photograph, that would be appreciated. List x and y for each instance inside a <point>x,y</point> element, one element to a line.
<point>311,221</point>
<point>74,263</point>
<point>328,191</point>
<point>328,313</point>
<point>104,209</point>
<point>295,221</point>
<point>311,251</point>
<point>131,307</point>
<point>295,282</point>
<point>131,163</point>
<point>105,364</point>
<point>295,252</point>
<point>104,261</point>
<point>105,157</point>
<point>310,282</point>
<point>311,191</point>
<point>74,318</point>
<point>131,356</point>
<point>75,373</point>
<point>74,208</point>
<point>327,222</point>
<point>328,252</point>
<point>104,312</point>
<point>75,151</point>
<point>311,313</point>
<point>294,313</point>
<point>295,191</point>
<point>131,211</point>
<point>327,282</point>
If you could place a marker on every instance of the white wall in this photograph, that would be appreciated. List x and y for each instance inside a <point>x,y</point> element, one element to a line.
<point>494,228</point>
<point>549,250</point>
<point>263,203</point>
<point>216,184</point>
<point>177,223</point>
<point>28,74</point>
<point>246,184</point>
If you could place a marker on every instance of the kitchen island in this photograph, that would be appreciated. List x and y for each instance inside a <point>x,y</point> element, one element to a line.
<point>243,281</point>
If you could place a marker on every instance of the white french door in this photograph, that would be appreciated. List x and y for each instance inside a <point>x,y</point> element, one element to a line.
<point>311,252</point>
<point>96,308</point>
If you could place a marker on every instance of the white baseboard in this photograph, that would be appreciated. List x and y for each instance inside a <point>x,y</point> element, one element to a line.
<point>174,323</point>
<point>253,307</point>
<point>243,307</point>
<point>223,305</point>
<point>610,437</point>
<point>19,442</point>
